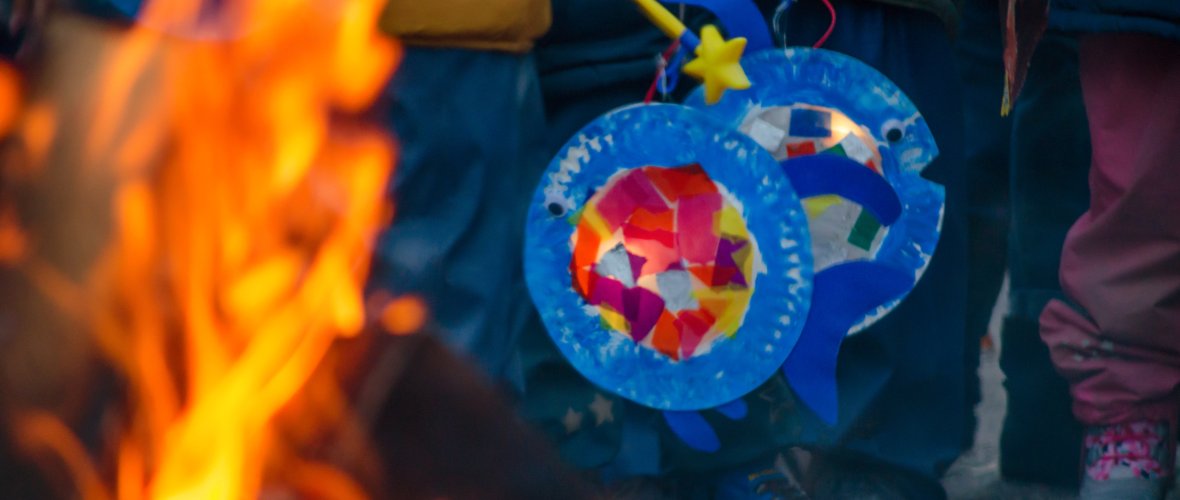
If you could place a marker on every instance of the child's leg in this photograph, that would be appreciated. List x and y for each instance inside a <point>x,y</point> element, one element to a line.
<point>1049,192</point>
<point>1119,343</point>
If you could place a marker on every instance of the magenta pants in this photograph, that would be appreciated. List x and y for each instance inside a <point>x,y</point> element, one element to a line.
<point>1118,343</point>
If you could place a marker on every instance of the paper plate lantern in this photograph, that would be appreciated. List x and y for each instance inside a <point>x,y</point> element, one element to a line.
<point>669,258</point>
<point>830,110</point>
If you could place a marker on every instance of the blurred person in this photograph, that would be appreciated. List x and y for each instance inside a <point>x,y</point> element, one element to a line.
<point>986,153</point>
<point>1024,196</point>
<point>1039,438</point>
<point>1115,338</point>
<point>466,108</point>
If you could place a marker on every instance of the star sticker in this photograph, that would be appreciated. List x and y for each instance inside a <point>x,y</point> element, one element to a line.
<point>572,421</point>
<point>603,409</point>
<point>718,64</point>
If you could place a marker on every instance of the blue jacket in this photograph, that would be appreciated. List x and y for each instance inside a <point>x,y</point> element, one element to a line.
<point>1155,17</point>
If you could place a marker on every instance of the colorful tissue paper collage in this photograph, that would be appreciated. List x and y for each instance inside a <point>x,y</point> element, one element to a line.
<point>666,258</point>
<point>669,258</point>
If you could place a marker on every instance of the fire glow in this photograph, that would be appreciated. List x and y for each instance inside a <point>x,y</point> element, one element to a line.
<point>246,198</point>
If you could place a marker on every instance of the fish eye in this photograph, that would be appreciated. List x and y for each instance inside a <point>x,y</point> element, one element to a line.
<point>893,131</point>
<point>556,209</point>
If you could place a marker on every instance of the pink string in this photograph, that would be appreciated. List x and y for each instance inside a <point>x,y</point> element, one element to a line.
<point>655,82</point>
<point>831,25</point>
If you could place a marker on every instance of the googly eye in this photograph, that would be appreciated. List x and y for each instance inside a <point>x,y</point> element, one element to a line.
<point>893,131</point>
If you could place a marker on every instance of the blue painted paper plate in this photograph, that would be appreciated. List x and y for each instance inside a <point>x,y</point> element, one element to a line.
<point>669,258</point>
<point>806,102</point>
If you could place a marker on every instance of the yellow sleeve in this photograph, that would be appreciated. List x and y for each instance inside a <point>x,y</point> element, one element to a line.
<point>504,25</point>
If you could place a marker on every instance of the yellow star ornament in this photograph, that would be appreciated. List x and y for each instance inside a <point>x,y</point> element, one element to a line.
<point>718,64</point>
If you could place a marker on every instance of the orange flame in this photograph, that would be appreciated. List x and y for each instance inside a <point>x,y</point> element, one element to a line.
<point>9,97</point>
<point>404,315</point>
<point>245,205</point>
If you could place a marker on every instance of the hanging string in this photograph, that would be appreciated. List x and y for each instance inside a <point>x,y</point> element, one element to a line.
<point>831,26</point>
<point>672,74</point>
<point>661,73</point>
<point>660,82</point>
<point>781,31</point>
<point>671,59</point>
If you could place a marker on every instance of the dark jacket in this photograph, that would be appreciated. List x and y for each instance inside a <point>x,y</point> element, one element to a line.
<point>1155,17</point>
<point>594,45</point>
<point>597,44</point>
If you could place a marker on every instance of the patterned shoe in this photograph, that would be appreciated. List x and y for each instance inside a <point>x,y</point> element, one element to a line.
<point>1127,461</point>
